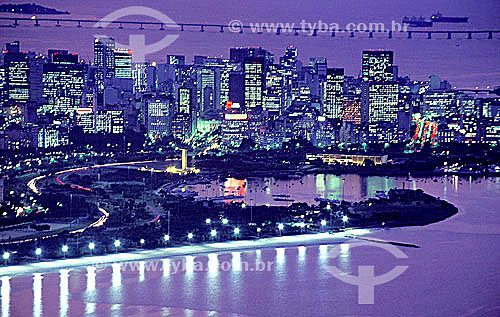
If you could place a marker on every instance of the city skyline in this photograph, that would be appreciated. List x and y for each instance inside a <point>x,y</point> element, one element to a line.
<point>458,60</point>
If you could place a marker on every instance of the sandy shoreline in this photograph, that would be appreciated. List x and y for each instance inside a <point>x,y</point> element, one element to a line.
<point>195,249</point>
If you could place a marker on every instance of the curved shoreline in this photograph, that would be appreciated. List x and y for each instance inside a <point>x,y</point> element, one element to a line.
<point>206,247</point>
<point>195,249</point>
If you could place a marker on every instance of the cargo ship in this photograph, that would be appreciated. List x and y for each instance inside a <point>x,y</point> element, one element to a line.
<point>419,22</point>
<point>438,17</point>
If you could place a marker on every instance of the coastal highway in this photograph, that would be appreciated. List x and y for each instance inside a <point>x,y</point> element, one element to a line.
<point>59,179</point>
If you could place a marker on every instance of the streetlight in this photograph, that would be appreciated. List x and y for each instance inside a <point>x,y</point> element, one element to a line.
<point>166,238</point>
<point>91,247</point>
<point>323,223</point>
<point>117,244</point>
<point>208,221</point>
<point>280,227</point>
<point>6,256</point>
<point>38,252</point>
<point>243,205</point>
<point>213,233</point>
<point>142,241</point>
<point>64,249</point>
<point>190,235</point>
<point>344,219</point>
<point>224,221</point>
<point>236,231</point>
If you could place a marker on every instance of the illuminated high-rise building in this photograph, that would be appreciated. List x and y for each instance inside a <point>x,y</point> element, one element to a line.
<point>274,97</point>
<point>64,81</point>
<point>227,67</point>
<point>144,77</point>
<point>333,93</point>
<point>21,81</point>
<point>254,82</point>
<point>158,118</point>
<point>289,60</point>
<point>234,127</point>
<point>178,60</point>
<point>241,54</point>
<point>53,135</point>
<point>351,111</point>
<point>383,101</point>
<point>104,61</point>
<point>181,126</point>
<point>84,118</point>
<point>377,65</point>
<point>289,63</point>
<point>104,56</point>
<point>208,89</point>
<point>109,121</point>
<point>123,63</point>
<point>185,100</point>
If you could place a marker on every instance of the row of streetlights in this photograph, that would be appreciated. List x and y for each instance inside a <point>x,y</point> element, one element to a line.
<point>225,221</point>
<point>166,237</point>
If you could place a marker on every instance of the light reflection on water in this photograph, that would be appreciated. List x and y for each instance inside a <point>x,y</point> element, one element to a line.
<point>63,292</point>
<point>298,271</point>
<point>37,294</point>
<point>90,278</point>
<point>116,279</point>
<point>261,191</point>
<point>5,293</point>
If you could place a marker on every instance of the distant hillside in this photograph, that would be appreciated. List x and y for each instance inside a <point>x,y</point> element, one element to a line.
<point>29,8</point>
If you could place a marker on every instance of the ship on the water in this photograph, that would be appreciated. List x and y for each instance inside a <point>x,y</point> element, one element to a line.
<point>438,17</point>
<point>418,22</point>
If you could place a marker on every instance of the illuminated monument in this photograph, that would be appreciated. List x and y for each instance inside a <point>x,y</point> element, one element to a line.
<point>184,159</point>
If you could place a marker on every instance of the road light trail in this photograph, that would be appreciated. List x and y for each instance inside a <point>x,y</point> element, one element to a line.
<point>60,180</point>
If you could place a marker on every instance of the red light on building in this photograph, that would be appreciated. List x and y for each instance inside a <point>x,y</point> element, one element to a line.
<point>229,104</point>
<point>84,110</point>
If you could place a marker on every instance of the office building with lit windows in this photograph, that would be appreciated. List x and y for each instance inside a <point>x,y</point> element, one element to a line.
<point>123,63</point>
<point>64,82</point>
<point>254,81</point>
<point>333,93</point>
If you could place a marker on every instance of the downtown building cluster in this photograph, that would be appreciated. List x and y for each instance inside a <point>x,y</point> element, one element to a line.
<point>251,95</point>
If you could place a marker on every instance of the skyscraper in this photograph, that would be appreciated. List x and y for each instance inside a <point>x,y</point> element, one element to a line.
<point>351,111</point>
<point>22,82</point>
<point>123,63</point>
<point>158,117</point>
<point>185,100</point>
<point>383,101</point>
<point>273,94</point>
<point>377,65</point>
<point>254,81</point>
<point>104,61</point>
<point>208,88</point>
<point>178,60</point>
<point>64,82</point>
<point>333,92</point>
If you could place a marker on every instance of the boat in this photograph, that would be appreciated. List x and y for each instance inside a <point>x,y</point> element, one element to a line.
<point>419,22</point>
<point>438,17</point>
